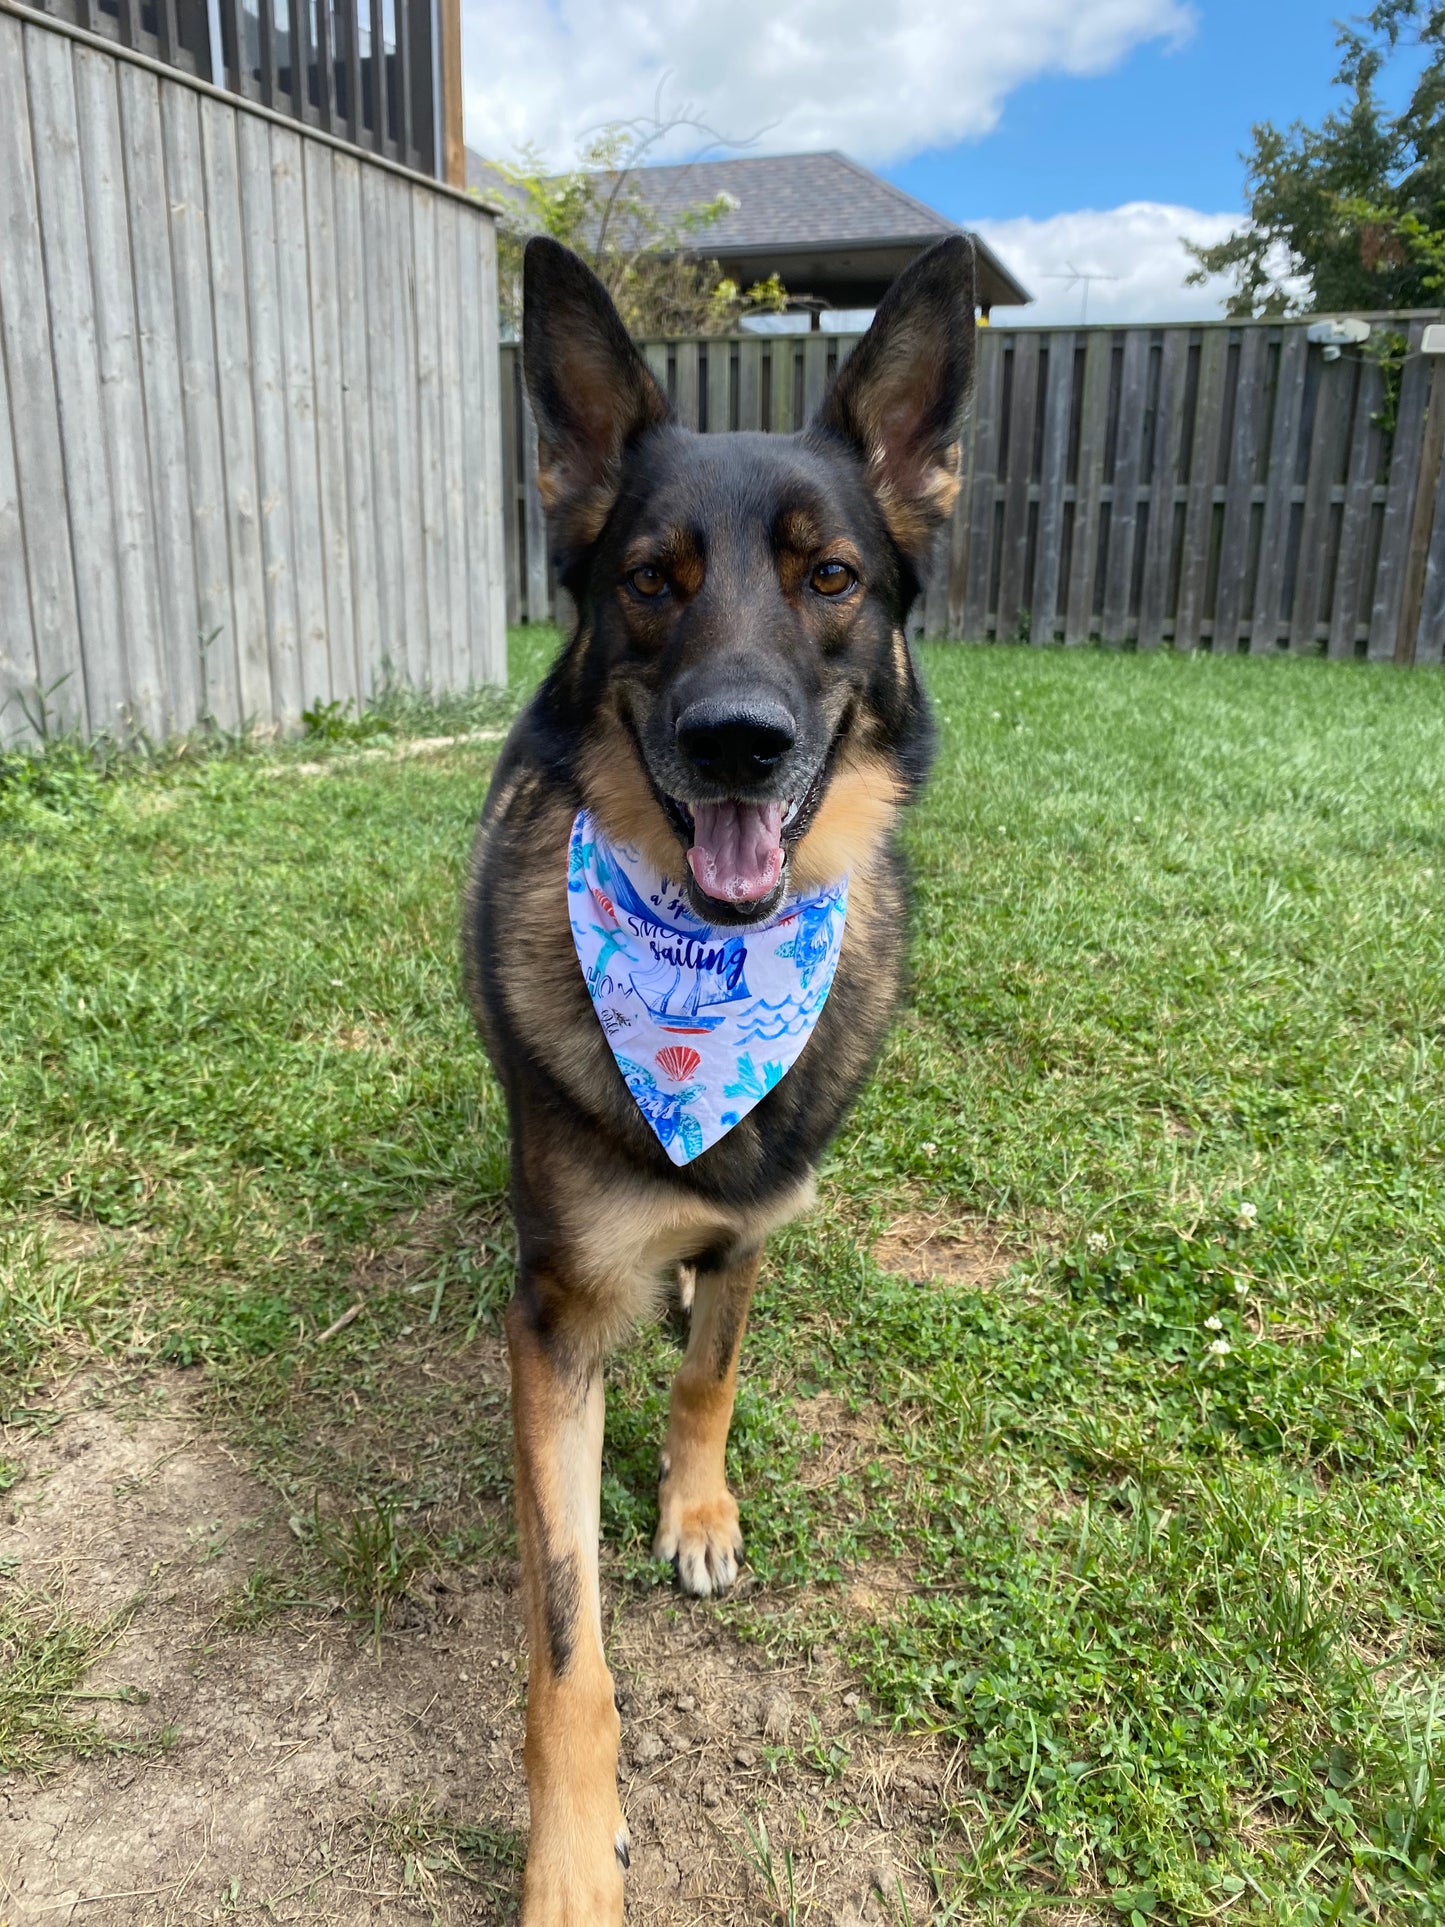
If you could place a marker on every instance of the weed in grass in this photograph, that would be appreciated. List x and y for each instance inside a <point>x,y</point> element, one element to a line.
<point>778,1878</point>
<point>57,783</point>
<point>825,1756</point>
<point>263,1596</point>
<point>342,722</point>
<point>370,1558</point>
<point>45,1654</point>
<point>429,1843</point>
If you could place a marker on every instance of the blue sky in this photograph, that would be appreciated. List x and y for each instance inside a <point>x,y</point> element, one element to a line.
<point>1167,124</point>
<point>1073,134</point>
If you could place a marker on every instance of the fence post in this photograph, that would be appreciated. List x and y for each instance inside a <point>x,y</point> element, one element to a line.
<point>1388,593</point>
<point>1093,428</point>
<point>539,600</point>
<point>1421,527</point>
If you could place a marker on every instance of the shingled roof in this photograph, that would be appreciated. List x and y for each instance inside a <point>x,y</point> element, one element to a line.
<point>795,200</point>
<point>821,214</point>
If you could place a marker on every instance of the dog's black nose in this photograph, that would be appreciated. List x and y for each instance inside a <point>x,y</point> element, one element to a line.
<point>732,740</point>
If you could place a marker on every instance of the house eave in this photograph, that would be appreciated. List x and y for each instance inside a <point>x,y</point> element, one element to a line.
<point>999,287</point>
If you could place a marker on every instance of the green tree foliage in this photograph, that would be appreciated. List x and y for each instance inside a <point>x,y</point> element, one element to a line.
<point>1349,214</point>
<point>647,258</point>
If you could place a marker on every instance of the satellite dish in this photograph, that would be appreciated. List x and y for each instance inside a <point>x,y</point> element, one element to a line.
<point>1338,334</point>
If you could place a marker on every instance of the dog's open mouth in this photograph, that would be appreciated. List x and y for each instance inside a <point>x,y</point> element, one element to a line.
<point>736,849</point>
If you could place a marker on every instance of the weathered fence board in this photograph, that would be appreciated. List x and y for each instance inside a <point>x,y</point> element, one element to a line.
<point>483,349</point>
<point>978,508</point>
<point>1431,633</point>
<point>1156,585</point>
<point>1357,512</point>
<point>66,276</point>
<point>1017,479</point>
<point>1396,528</point>
<point>248,648</point>
<point>1053,484</point>
<point>57,681</point>
<point>1413,593</point>
<point>1213,485</point>
<point>1128,461</point>
<point>1202,441</point>
<point>250,433</point>
<point>119,368</point>
<point>299,389</point>
<point>326,268</point>
<point>1088,498</point>
<point>17,639</point>
<point>1235,544</point>
<point>422,316</point>
<point>279,557</point>
<point>161,376</point>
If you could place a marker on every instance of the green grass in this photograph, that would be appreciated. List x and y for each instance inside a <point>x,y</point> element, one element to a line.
<point>1162,1513</point>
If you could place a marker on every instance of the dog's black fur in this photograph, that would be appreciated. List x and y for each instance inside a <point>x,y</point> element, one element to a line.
<point>741,602</point>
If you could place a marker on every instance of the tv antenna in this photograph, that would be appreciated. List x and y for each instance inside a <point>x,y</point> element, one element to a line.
<point>1076,277</point>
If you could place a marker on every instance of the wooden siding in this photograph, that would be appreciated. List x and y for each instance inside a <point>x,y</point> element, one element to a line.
<point>250,445</point>
<point>1220,487</point>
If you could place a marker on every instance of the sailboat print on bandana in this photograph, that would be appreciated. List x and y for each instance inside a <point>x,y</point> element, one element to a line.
<point>703,1020</point>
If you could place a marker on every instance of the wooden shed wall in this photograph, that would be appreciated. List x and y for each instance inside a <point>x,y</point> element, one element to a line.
<point>250,429</point>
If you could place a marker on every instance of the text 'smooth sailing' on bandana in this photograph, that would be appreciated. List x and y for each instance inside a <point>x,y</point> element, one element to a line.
<point>703,1020</point>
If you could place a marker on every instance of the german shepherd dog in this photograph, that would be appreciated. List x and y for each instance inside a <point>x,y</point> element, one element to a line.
<point>738,705</point>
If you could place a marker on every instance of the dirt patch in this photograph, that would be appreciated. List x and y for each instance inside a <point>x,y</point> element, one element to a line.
<point>116,1504</point>
<point>934,1248</point>
<point>717,1735</point>
<point>73,1240</point>
<point>848,1433</point>
<point>288,1774</point>
<point>386,753</point>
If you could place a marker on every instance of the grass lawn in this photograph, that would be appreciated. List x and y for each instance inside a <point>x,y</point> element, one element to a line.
<point>1150,1524</point>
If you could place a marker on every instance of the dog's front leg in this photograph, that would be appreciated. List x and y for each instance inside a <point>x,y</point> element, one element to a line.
<point>579,1840</point>
<point>698,1526</point>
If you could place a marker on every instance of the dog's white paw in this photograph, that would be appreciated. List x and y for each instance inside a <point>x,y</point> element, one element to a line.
<point>704,1543</point>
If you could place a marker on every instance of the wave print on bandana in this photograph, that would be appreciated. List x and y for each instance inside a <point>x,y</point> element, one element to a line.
<point>703,1020</point>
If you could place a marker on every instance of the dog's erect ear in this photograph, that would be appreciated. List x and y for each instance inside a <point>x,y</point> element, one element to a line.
<point>591,391</point>
<point>899,398</point>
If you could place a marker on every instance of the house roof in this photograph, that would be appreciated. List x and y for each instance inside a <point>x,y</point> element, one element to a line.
<point>798,205</point>
<point>794,199</point>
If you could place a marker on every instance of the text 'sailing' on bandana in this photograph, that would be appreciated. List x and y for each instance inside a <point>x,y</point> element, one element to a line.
<point>703,1021</point>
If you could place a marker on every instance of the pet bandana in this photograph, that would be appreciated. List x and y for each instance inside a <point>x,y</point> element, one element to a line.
<point>703,1020</point>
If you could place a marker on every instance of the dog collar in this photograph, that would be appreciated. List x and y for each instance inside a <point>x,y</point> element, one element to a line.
<point>704,1020</point>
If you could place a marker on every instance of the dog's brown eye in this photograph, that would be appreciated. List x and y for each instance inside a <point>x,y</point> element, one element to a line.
<point>832,578</point>
<point>648,581</point>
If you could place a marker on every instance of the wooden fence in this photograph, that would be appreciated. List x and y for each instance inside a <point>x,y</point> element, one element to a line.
<point>249,418</point>
<point>1219,486</point>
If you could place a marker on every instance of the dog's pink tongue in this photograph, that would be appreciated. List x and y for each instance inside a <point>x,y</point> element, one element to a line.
<point>737,852</point>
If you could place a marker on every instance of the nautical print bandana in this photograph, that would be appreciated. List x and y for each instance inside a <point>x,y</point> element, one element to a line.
<point>703,1020</point>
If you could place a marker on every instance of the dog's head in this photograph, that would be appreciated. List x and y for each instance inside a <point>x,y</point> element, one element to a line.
<point>746,696</point>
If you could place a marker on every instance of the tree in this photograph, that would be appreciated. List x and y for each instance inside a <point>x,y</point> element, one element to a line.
<point>646,258</point>
<point>1349,214</point>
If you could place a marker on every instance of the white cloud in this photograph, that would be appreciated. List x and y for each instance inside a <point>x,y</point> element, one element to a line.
<point>1139,245</point>
<point>881,82</point>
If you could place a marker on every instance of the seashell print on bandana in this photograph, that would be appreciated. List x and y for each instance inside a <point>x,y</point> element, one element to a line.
<point>703,1020</point>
